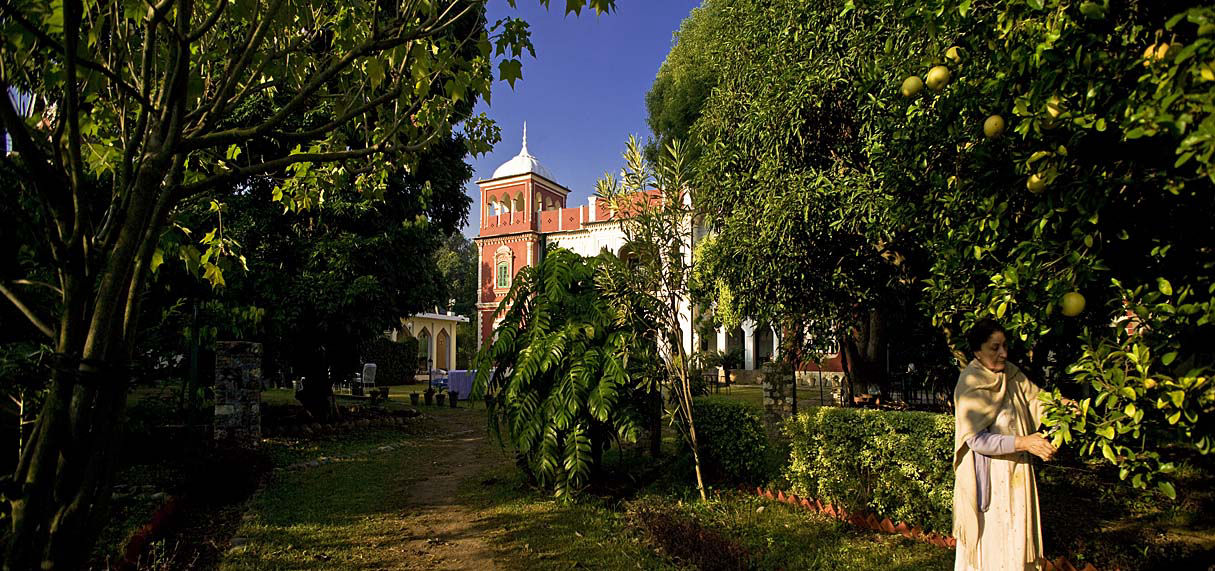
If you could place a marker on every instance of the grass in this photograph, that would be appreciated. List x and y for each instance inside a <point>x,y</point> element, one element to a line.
<point>753,394</point>
<point>341,515</point>
<point>335,516</point>
<point>535,531</point>
<point>538,532</point>
<point>780,537</point>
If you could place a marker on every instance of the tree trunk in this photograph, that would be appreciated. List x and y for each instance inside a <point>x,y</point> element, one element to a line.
<point>62,484</point>
<point>686,386</point>
<point>655,405</point>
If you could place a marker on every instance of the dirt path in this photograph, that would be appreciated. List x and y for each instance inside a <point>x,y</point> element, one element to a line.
<point>440,532</point>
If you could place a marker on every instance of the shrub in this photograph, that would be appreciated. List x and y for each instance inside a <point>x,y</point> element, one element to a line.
<point>895,464</point>
<point>394,361</point>
<point>686,539</point>
<point>733,444</point>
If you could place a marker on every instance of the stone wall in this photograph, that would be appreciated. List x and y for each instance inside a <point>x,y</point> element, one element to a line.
<point>238,393</point>
<point>777,380</point>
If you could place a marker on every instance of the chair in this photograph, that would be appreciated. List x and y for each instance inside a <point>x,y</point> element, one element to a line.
<point>368,378</point>
<point>438,379</point>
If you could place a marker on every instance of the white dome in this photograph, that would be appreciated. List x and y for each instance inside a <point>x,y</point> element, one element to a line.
<point>522,163</point>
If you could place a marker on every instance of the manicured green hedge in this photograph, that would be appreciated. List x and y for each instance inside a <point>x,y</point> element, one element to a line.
<point>894,464</point>
<point>395,361</point>
<point>733,444</point>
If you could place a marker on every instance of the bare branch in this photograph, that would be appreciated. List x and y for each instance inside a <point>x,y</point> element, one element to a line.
<point>342,119</point>
<point>25,310</point>
<point>232,75</point>
<point>188,190</point>
<point>52,287</point>
<point>208,24</point>
<point>82,62</point>
<point>71,109</point>
<point>237,134</point>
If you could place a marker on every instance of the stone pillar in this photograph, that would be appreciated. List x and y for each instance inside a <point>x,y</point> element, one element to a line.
<point>238,393</point>
<point>723,339</point>
<point>749,346</point>
<point>451,347</point>
<point>778,399</point>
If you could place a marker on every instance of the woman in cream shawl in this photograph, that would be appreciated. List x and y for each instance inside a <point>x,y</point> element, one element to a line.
<point>995,496</point>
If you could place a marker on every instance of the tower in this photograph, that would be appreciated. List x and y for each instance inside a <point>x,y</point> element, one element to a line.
<point>511,205</point>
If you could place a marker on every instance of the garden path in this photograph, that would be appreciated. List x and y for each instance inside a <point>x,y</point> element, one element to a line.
<point>440,531</point>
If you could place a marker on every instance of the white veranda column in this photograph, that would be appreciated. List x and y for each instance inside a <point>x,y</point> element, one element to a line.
<point>723,339</point>
<point>749,345</point>
<point>775,343</point>
<point>451,348</point>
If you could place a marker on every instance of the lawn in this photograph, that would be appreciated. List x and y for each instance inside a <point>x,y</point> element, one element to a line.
<point>346,512</point>
<point>538,532</point>
<point>753,394</point>
<point>368,508</point>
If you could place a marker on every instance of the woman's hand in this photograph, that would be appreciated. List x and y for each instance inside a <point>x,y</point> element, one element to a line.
<point>1035,444</point>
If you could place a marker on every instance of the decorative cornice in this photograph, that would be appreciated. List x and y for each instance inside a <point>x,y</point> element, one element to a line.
<point>503,238</point>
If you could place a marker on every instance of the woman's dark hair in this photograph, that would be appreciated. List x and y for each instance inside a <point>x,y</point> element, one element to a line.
<point>981,332</point>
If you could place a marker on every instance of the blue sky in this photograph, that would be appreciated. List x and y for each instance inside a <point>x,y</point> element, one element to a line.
<point>583,94</point>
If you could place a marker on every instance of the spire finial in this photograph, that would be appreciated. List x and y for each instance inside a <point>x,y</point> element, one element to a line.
<point>524,151</point>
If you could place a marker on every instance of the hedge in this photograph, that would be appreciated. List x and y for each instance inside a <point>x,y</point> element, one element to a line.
<point>733,444</point>
<point>395,361</point>
<point>893,464</point>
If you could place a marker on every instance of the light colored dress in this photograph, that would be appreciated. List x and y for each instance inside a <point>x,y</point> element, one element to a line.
<point>1012,514</point>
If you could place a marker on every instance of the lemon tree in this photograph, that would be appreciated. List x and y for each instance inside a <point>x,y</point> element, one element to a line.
<point>1060,156</point>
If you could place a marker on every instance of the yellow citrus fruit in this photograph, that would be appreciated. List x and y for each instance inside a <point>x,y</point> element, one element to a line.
<point>1073,303</point>
<point>993,127</point>
<point>1054,106</point>
<point>1154,53</point>
<point>911,86</point>
<point>1036,183</point>
<point>938,77</point>
<point>954,54</point>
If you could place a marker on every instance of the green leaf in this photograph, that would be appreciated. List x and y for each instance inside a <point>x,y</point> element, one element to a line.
<point>1168,358</point>
<point>1107,451</point>
<point>1092,10</point>
<point>1164,286</point>
<point>510,70</point>
<point>1167,489</point>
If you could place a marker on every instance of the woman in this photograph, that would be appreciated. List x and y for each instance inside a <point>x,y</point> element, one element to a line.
<point>995,496</point>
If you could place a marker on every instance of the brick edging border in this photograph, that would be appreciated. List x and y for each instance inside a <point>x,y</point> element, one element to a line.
<point>869,521</point>
<point>138,542</point>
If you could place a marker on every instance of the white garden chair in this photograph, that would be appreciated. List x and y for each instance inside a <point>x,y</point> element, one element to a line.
<point>368,378</point>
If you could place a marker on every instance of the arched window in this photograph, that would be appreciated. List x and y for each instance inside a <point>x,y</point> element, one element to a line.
<point>424,348</point>
<point>503,267</point>
<point>518,206</point>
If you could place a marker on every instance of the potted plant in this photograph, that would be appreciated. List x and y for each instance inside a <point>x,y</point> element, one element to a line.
<point>455,398</point>
<point>430,395</point>
<point>439,398</point>
<point>413,398</point>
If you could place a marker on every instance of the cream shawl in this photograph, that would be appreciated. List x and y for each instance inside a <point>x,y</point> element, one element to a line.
<point>978,398</point>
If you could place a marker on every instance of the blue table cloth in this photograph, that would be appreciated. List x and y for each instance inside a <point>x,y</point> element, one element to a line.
<point>461,381</point>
